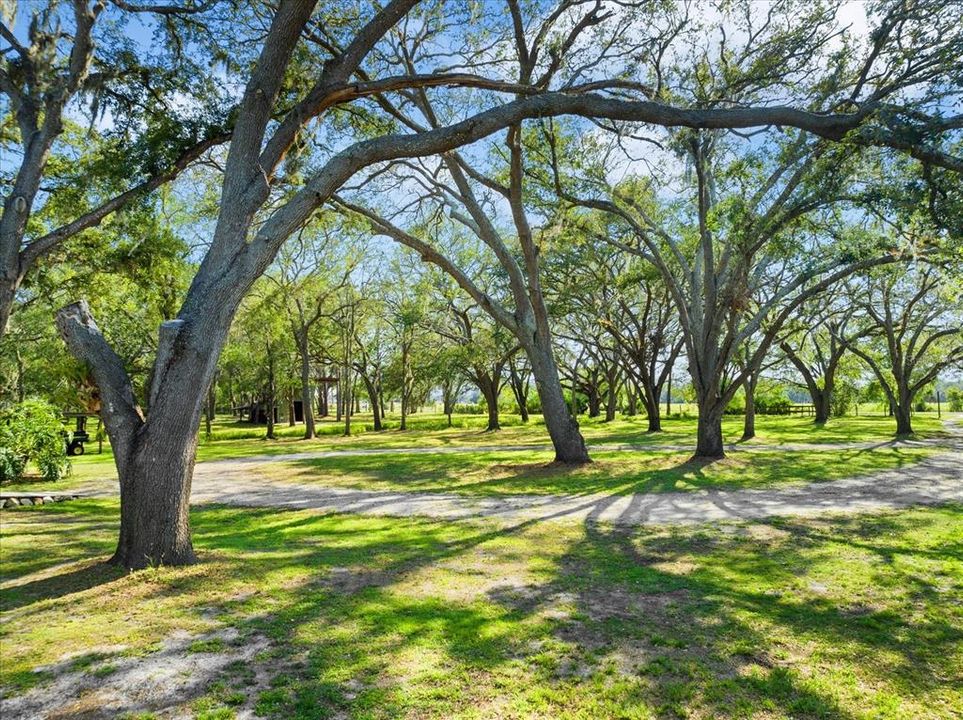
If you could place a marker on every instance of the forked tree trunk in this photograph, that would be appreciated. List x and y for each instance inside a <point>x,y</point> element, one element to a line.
<point>562,427</point>
<point>375,401</point>
<point>488,386</point>
<point>821,400</point>
<point>518,388</point>
<point>652,410</point>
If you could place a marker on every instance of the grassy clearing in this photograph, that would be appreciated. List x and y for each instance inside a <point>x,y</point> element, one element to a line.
<point>365,617</point>
<point>504,473</point>
<point>231,440</point>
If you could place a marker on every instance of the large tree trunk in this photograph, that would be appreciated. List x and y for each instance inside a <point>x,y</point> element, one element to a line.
<point>374,400</point>
<point>490,394</point>
<point>904,424</point>
<point>8,291</point>
<point>154,501</point>
<point>561,425</point>
<point>487,384</point>
<point>653,409</point>
<point>154,458</point>
<point>902,406</point>
<point>821,400</point>
<point>594,398</point>
<point>709,444</point>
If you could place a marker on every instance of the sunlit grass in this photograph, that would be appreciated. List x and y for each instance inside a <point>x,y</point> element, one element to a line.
<point>622,472</point>
<point>231,440</point>
<point>385,618</point>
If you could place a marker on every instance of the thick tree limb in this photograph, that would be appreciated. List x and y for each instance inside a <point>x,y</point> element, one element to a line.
<point>46,243</point>
<point>120,412</point>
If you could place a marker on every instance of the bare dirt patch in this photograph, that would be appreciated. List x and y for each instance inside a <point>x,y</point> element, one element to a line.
<point>163,682</point>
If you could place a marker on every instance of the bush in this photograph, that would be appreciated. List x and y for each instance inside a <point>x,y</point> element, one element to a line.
<point>955,398</point>
<point>469,409</point>
<point>845,396</point>
<point>32,431</point>
<point>772,405</point>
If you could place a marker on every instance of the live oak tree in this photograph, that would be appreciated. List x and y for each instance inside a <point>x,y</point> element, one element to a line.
<point>308,274</point>
<point>155,454</point>
<point>816,345</point>
<point>485,350</point>
<point>751,205</point>
<point>73,62</point>
<point>915,320</point>
<point>626,298</point>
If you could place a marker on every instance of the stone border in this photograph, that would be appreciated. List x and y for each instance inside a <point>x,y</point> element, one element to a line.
<point>12,500</point>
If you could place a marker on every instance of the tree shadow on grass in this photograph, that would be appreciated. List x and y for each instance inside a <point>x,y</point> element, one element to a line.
<point>486,474</point>
<point>382,617</point>
<point>77,578</point>
<point>678,637</point>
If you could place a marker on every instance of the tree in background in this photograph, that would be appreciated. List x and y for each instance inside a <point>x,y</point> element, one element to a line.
<point>332,66</point>
<point>915,320</point>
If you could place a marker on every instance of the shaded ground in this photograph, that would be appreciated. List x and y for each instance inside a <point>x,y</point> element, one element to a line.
<point>550,606</point>
<point>355,616</point>
<point>263,482</point>
<point>935,480</point>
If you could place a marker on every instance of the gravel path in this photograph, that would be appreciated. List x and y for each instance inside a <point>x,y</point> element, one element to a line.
<point>935,480</point>
<point>245,482</point>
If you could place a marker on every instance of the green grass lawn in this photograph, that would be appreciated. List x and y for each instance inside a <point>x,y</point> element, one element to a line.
<point>618,472</point>
<point>362,617</point>
<point>230,440</point>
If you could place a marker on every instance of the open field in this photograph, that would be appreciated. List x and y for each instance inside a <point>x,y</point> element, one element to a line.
<point>308,614</point>
<point>301,615</point>
<point>489,470</point>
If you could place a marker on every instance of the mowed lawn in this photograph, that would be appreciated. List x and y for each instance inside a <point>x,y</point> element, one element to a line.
<point>611,472</point>
<point>306,615</point>
<point>490,471</point>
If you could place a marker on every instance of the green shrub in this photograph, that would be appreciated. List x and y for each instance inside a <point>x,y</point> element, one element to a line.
<point>772,404</point>
<point>955,398</point>
<point>470,408</point>
<point>845,396</point>
<point>736,406</point>
<point>32,431</point>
